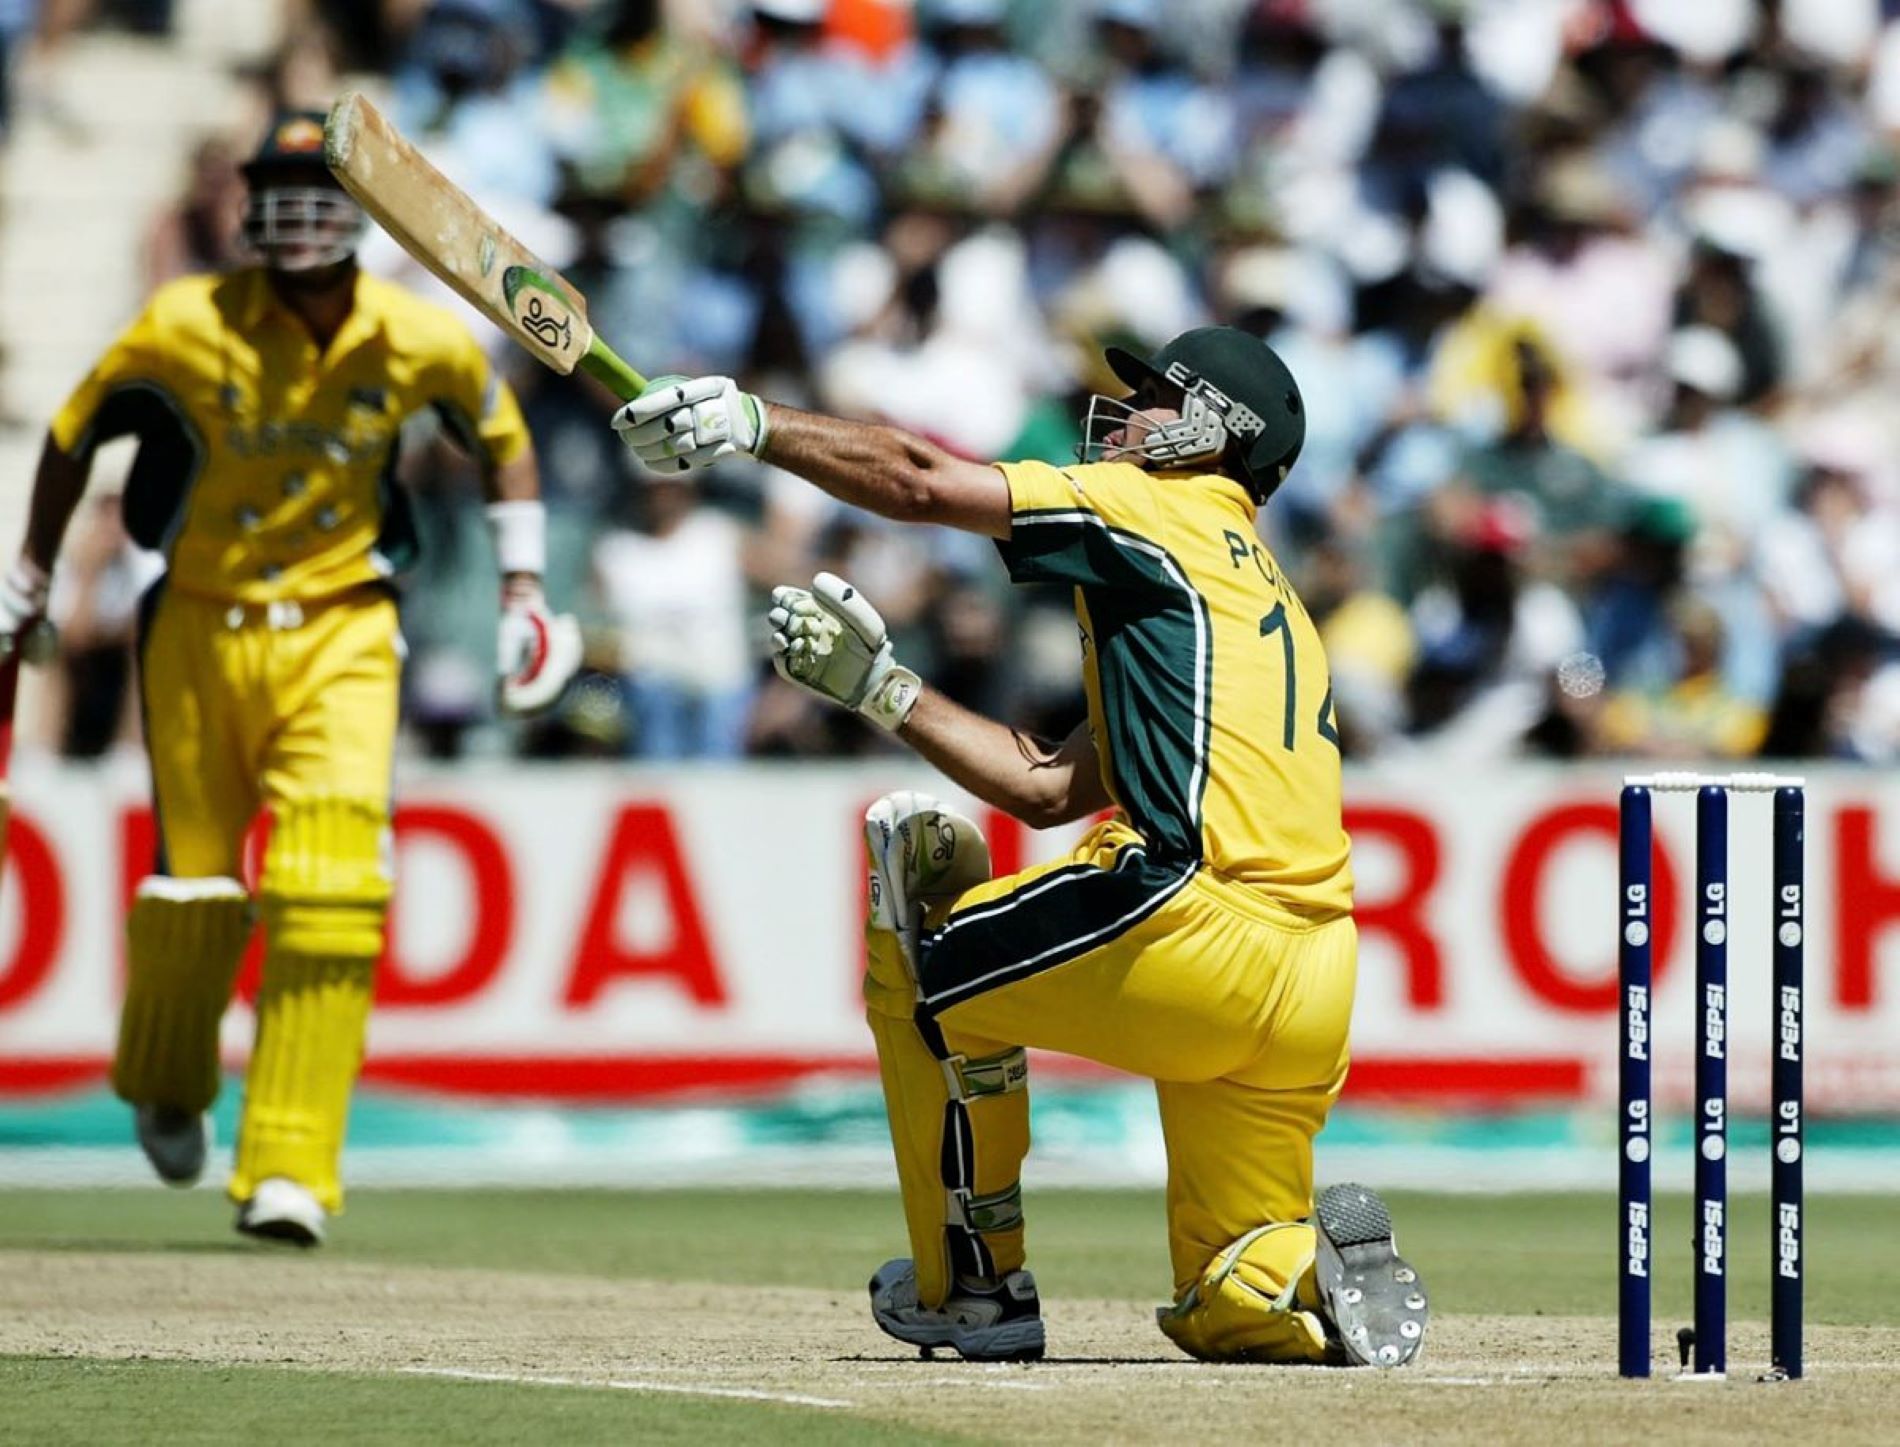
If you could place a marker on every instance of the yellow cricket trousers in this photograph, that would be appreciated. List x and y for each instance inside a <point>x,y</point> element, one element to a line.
<point>1236,1008</point>
<point>244,711</point>
<point>291,708</point>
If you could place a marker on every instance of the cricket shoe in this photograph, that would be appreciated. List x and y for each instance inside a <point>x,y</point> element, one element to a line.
<point>999,1323</point>
<point>1369,1295</point>
<point>175,1141</point>
<point>282,1210</point>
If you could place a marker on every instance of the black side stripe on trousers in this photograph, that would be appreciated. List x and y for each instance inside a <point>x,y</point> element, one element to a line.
<point>1052,920</point>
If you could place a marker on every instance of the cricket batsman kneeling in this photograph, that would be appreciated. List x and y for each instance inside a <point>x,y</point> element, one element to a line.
<point>1201,936</point>
<point>267,405</point>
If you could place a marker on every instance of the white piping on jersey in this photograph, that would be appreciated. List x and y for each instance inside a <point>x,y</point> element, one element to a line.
<point>1009,902</point>
<point>1204,685</point>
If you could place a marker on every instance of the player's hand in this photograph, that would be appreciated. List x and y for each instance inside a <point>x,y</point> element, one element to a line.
<point>830,640</point>
<point>536,651</point>
<point>681,424</point>
<point>24,628</point>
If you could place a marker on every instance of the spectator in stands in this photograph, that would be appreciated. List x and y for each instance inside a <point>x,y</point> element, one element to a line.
<point>368,33</point>
<point>675,592</point>
<point>1609,265</point>
<point>1823,680</point>
<point>1655,110</point>
<point>1838,550</point>
<point>1815,140</point>
<point>1370,648</point>
<point>1692,715</point>
<point>1626,612</point>
<point>991,117</point>
<point>633,106</point>
<point>1718,291</point>
<point>1735,475</point>
<point>464,93</point>
<point>1169,137</point>
<point>304,73</point>
<point>823,116</point>
<point>1582,268</point>
<point>1575,506</point>
<point>1489,640</point>
<point>1441,114</point>
<point>1728,466</point>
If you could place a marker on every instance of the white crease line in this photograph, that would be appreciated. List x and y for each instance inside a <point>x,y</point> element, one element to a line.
<point>748,1394</point>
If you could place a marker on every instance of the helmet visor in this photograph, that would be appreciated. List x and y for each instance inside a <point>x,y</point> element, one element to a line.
<point>1125,429</point>
<point>303,228</point>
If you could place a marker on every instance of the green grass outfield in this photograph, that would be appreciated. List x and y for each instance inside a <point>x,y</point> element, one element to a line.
<point>1508,1255</point>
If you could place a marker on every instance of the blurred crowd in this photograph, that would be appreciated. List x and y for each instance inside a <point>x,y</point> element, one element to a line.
<point>1592,303</point>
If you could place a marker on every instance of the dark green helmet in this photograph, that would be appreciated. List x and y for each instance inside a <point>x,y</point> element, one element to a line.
<point>1238,403</point>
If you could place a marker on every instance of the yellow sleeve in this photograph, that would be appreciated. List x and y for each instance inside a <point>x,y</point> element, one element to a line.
<point>476,404</point>
<point>1091,525</point>
<point>138,355</point>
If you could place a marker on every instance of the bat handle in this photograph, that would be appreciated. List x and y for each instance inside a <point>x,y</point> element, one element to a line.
<point>604,365</point>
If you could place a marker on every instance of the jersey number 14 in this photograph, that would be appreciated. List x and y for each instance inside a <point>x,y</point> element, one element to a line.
<point>1277,622</point>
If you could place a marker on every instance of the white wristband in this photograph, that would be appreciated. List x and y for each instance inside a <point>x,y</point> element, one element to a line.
<point>520,531</point>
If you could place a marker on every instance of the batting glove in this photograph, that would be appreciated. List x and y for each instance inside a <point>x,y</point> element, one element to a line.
<point>24,628</point>
<point>830,640</point>
<point>681,424</point>
<point>536,651</point>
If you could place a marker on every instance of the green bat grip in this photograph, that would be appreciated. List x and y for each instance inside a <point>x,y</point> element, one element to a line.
<point>604,365</point>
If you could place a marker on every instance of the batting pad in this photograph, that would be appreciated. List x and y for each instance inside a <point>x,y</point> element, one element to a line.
<point>1247,1307</point>
<point>325,894</point>
<point>184,940</point>
<point>959,1120</point>
<point>312,1013</point>
<point>327,877</point>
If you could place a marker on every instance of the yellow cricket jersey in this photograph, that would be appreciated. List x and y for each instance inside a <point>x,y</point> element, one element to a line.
<point>1208,690</point>
<point>266,467</point>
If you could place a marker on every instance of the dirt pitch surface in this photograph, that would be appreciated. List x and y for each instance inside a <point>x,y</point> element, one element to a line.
<point>1110,1376</point>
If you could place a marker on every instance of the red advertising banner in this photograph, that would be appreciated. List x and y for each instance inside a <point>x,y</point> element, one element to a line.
<point>602,933</point>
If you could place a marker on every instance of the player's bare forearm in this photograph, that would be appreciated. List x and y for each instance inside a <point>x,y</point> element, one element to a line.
<point>58,484</point>
<point>1025,778</point>
<point>515,481</point>
<point>888,471</point>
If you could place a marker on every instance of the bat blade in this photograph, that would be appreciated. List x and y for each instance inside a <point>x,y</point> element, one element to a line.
<point>437,223</point>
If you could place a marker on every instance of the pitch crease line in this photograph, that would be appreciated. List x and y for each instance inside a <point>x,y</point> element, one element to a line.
<point>678,1389</point>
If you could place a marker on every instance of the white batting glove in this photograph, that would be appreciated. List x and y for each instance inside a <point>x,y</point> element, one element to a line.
<point>24,628</point>
<point>681,424</point>
<point>536,651</point>
<point>830,640</point>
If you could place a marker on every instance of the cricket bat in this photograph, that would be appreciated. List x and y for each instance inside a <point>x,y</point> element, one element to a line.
<point>433,220</point>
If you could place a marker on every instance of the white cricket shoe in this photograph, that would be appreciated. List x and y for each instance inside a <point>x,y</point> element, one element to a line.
<point>175,1141</point>
<point>282,1210</point>
<point>997,1323</point>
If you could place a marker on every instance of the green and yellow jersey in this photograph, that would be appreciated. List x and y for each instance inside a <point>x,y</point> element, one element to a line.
<point>1208,690</point>
<point>265,466</point>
